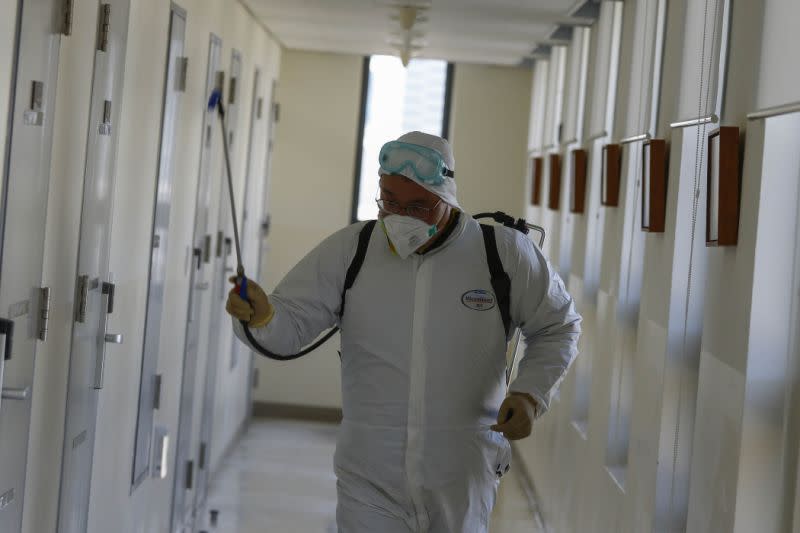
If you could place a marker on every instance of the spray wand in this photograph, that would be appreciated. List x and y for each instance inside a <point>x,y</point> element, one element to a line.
<point>215,101</point>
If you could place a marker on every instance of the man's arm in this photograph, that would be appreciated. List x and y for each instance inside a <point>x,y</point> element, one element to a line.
<point>545,312</point>
<point>307,300</point>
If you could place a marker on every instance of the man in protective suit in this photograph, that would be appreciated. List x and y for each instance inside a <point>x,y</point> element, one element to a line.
<point>427,414</point>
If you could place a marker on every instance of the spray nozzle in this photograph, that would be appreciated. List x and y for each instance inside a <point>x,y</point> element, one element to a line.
<point>215,98</point>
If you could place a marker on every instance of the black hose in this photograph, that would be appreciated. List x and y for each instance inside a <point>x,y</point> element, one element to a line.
<point>263,351</point>
<point>498,216</point>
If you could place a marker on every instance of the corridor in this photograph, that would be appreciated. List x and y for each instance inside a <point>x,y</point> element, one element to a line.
<point>567,234</point>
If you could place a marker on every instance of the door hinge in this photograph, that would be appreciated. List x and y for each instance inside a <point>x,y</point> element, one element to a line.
<point>255,378</point>
<point>44,312</point>
<point>207,249</point>
<point>182,67</point>
<point>83,298</point>
<point>189,481</point>
<point>104,26</point>
<point>157,391</point>
<point>66,17</point>
<point>219,243</point>
<point>232,91</point>
<point>219,80</point>
<point>201,459</point>
<point>276,112</point>
<point>105,125</point>
<point>260,107</point>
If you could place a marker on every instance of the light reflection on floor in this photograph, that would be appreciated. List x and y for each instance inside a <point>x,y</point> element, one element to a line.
<point>279,478</point>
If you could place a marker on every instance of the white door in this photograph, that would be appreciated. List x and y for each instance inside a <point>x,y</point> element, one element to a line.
<point>94,288</point>
<point>149,393</point>
<point>26,176</point>
<point>185,460</point>
<point>223,267</point>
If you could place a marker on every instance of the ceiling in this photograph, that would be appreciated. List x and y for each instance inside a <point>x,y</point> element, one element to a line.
<point>502,32</point>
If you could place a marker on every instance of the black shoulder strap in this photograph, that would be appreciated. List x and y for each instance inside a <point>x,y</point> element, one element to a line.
<point>358,260</point>
<point>501,283</point>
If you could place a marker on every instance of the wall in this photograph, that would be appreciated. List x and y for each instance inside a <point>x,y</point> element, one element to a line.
<point>311,196</point>
<point>113,507</point>
<point>491,106</point>
<point>560,442</point>
<point>689,356</point>
<point>777,84</point>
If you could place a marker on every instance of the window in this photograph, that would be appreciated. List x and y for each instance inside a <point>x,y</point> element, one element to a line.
<point>395,100</point>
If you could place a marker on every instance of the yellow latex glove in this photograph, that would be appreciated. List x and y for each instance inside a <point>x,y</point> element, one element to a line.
<point>257,312</point>
<point>515,419</point>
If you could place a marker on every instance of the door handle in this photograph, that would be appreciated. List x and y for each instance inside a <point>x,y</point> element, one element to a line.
<point>7,330</point>
<point>15,394</point>
<point>105,338</point>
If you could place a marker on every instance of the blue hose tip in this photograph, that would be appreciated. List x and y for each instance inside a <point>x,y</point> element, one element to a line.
<point>243,288</point>
<point>216,95</point>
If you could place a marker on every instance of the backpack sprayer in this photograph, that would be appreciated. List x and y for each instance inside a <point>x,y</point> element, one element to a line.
<point>215,101</point>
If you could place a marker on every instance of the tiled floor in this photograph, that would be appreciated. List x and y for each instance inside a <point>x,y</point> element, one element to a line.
<point>279,478</point>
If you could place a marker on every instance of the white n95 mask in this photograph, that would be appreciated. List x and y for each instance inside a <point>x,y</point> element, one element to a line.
<point>407,234</point>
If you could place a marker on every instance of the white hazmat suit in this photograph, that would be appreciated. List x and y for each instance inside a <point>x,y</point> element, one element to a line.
<point>423,369</point>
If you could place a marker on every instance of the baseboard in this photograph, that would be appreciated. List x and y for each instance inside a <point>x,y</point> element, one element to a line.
<point>297,412</point>
<point>528,487</point>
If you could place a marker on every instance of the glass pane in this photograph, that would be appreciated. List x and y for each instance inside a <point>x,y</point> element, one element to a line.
<point>399,100</point>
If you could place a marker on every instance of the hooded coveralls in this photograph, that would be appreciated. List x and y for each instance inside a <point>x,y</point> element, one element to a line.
<point>423,369</point>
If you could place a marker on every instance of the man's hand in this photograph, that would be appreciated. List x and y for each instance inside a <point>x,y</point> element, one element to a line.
<point>515,419</point>
<point>257,312</point>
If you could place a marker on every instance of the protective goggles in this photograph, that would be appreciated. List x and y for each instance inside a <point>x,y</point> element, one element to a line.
<point>426,164</point>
